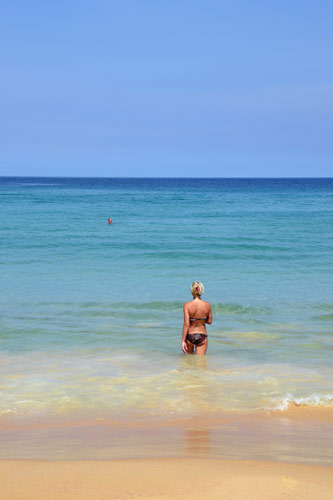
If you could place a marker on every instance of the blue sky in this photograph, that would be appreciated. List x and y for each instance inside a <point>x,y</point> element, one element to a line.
<point>166,88</point>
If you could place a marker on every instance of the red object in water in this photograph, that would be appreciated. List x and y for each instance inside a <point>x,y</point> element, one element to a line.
<point>110,221</point>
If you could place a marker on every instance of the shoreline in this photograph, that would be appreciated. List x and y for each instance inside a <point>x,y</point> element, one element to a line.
<point>164,479</point>
<point>294,412</point>
<point>297,435</point>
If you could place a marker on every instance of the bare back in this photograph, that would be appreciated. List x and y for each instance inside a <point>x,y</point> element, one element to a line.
<point>197,313</point>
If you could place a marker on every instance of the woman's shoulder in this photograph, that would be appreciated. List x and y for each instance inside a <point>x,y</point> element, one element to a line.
<point>188,304</point>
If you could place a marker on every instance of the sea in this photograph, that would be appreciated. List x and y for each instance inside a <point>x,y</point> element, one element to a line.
<point>91,313</point>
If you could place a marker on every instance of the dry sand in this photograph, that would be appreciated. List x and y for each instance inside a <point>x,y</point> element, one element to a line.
<point>167,478</point>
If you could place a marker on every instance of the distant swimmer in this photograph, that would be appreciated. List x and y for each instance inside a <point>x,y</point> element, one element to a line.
<point>196,314</point>
<point>110,221</point>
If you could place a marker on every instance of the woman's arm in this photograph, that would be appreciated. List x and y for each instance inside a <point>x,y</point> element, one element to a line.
<point>209,319</point>
<point>186,326</point>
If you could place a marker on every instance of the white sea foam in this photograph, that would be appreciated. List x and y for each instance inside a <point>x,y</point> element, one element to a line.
<point>311,400</point>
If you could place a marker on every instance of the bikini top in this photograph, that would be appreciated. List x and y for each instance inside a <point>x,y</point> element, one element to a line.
<point>198,319</point>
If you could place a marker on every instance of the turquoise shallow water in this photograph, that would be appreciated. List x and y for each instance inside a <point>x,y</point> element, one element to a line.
<point>91,314</point>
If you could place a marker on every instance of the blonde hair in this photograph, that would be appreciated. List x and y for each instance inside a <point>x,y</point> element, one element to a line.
<point>197,288</point>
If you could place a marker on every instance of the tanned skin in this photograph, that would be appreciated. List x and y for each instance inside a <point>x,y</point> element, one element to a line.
<point>197,308</point>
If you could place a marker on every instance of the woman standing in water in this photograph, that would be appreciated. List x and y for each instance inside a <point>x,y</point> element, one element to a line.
<point>196,314</point>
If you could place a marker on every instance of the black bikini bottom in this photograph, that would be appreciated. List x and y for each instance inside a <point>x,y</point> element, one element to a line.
<point>196,338</point>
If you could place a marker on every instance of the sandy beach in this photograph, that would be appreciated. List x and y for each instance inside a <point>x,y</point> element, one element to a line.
<point>163,479</point>
<point>281,455</point>
<point>300,434</point>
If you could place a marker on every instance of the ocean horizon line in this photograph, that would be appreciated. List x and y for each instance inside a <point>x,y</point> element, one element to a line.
<point>162,177</point>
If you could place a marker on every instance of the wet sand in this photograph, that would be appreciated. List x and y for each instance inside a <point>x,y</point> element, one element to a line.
<point>298,435</point>
<point>266,455</point>
<point>168,478</point>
